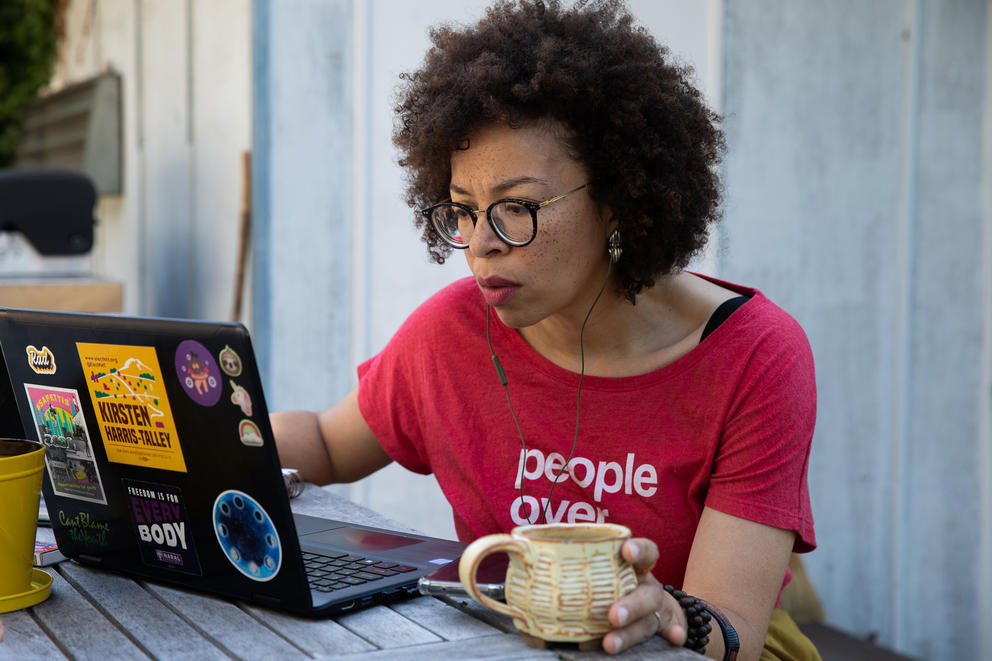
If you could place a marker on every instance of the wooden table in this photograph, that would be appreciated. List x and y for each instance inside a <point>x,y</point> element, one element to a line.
<point>99,615</point>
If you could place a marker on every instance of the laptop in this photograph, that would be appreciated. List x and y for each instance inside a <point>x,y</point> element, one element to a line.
<point>161,464</point>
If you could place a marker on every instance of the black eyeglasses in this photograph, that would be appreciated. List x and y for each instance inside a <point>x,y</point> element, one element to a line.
<point>513,220</point>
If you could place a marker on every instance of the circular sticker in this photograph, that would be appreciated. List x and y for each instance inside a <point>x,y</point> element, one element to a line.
<point>230,361</point>
<point>198,373</point>
<point>247,536</point>
<point>250,434</point>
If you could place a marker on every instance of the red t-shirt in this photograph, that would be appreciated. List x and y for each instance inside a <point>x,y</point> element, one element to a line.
<point>728,425</point>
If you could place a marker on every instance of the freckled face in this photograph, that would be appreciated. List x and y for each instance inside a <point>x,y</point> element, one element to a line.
<point>562,269</point>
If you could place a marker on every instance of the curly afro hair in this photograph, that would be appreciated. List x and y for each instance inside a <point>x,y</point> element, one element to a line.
<point>630,113</point>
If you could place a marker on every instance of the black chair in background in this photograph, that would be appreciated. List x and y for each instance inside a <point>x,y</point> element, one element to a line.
<point>53,209</point>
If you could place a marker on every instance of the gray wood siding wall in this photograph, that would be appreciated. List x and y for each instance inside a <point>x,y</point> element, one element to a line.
<point>855,184</point>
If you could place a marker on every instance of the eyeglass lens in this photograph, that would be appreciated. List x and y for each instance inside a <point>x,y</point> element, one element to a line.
<point>511,220</point>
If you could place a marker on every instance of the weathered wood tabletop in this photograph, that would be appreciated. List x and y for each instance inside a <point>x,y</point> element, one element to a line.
<point>99,615</point>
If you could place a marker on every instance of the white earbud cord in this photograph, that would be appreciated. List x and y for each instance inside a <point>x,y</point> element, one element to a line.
<point>578,398</point>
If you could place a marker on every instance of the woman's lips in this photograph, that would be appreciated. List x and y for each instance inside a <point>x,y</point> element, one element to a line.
<point>497,291</point>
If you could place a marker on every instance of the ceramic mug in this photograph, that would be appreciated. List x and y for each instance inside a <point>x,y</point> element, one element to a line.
<point>561,580</point>
<point>21,464</point>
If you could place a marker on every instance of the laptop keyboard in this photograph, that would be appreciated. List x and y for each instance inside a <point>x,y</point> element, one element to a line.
<point>331,570</point>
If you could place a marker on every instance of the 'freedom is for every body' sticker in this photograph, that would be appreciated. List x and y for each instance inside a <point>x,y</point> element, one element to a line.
<point>161,526</point>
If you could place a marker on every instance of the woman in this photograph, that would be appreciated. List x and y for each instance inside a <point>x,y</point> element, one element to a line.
<point>572,163</point>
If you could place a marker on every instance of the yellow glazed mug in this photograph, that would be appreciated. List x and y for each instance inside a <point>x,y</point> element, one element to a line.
<point>562,578</point>
<point>21,465</point>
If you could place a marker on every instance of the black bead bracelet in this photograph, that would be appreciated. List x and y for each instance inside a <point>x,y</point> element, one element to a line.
<point>698,618</point>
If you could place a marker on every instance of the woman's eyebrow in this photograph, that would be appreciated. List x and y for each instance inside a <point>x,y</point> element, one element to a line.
<point>504,186</point>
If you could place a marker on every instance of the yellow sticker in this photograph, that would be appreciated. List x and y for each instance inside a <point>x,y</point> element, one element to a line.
<point>132,408</point>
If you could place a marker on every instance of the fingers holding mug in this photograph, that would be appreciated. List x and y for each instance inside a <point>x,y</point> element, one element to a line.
<point>641,553</point>
<point>645,612</point>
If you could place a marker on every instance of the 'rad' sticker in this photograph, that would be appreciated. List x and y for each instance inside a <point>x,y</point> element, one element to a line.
<point>241,397</point>
<point>247,536</point>
<point>250,434</point>
<point>230,361</point>
<point>68,449</point>
<point>132,408</point>
<point>161,526</point>
<point>198,373</point>
<point>42,361</point>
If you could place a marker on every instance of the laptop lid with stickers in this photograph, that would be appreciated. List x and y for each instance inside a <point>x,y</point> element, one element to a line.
<point>160,463</point>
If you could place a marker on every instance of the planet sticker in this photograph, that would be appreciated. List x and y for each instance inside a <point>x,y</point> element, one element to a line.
<point>198,373</point>
<point>245,533</point>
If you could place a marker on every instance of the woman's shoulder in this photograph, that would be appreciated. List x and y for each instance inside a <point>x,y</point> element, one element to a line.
<point>453,304</point>
<point>458,295</point>
<point>758,314</point>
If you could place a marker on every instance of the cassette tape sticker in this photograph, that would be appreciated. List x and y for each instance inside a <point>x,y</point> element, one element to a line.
<point>247,536</point>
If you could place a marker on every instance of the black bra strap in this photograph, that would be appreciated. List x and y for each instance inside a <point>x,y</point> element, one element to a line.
<point>721,313</point>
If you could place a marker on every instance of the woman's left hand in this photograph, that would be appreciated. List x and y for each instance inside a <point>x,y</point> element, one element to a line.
<point>647,610</point>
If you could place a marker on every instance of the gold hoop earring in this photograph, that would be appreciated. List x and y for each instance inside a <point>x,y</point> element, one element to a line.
<point>613,246</point>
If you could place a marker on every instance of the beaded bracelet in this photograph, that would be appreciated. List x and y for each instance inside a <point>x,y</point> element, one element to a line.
<point>698,618</point>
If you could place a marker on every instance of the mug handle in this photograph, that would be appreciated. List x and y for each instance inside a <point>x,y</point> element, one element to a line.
<point>469,565</point>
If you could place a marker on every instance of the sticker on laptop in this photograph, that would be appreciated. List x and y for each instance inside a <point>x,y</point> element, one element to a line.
<point>250,434</point>
<point>132,408</point>
<point>241,398</point>
<point>42,361</point>
<point>84,529</point>
<point>69,458</point>
<point>230,361</point>
<point>246,535</point>
<point>161,526</point>
<point>198,373</point>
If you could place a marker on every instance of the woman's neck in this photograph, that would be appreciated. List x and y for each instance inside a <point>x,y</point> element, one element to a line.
<point>621,339</point>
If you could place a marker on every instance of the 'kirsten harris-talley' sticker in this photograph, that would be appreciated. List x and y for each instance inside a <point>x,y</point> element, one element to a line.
<point>42,361</point>
<point>131,404</point>
<point>162,526</point>
<point>72,468</point>
<point>250,434</point>
<point>241,398</point>
<point>246,535</point>
<point>198,373</point>
<point>230,361</point>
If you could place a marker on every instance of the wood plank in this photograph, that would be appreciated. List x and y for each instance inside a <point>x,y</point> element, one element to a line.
<point>83,632</point>
<point>24,640</point>
<point>146,619</point>
<point>227,625</point>
<point>500,647</point>
<point>68,295</point>
<point>655,649</point>
<point>385,628</point>
<point>312,636</point>
<point>446,621</point>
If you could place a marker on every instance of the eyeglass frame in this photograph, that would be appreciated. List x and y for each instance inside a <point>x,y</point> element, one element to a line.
<point>531,206</point>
